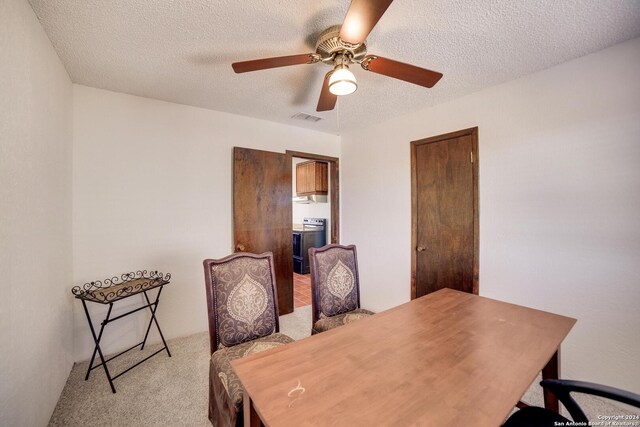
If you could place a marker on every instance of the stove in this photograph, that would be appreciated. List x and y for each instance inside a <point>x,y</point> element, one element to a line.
<point>313,234</point>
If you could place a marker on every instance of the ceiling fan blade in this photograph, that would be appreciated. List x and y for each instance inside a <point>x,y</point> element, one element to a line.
<point>361,17</point>
<point>280,61</point>
<point>401,71</point>
<point>327,100</point>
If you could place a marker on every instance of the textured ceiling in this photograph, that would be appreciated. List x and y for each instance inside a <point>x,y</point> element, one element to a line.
<point>181,51</point>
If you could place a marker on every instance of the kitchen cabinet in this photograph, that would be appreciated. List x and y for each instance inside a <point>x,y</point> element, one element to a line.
<point>312,178</point>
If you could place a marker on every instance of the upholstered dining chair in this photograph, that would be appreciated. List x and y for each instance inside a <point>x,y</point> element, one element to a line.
<point>533,416</point>
<point>242,303</point>
<point>335,287</point>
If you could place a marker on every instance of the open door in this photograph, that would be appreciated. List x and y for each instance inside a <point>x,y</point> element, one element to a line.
<point>262,213</point>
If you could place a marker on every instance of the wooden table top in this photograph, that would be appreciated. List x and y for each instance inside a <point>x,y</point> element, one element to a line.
<point>446,359</point>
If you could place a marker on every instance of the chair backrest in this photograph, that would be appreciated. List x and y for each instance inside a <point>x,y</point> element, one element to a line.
<point>242,300</point>
<point>335,285</point>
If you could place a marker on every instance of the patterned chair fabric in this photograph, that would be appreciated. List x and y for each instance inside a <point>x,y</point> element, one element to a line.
<point>243,319</point>
<point>335,287</point>
<point>244,297</point>
<point>327,323</point>
<point>222,371</point>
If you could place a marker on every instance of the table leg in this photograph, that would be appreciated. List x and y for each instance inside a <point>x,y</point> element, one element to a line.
<point>95,349</point>
<point>251,417</point>
<point>153,319</point>
<point>551,371</point>
<point>96,340</point>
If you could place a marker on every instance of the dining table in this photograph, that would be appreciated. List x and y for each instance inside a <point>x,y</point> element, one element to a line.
<point>448,358</point>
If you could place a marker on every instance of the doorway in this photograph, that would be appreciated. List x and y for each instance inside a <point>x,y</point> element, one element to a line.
<point>444,213</point>
<point>262,210</point>
<point>314,213</point>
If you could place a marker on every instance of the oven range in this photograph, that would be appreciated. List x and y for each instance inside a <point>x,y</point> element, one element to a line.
<point>312,235</point>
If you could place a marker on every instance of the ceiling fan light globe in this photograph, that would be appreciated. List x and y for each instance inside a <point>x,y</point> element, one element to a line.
<point>342,82</point>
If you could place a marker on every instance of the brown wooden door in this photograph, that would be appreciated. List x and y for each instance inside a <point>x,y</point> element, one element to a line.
<point>262,213</point>
<point>445,213</point>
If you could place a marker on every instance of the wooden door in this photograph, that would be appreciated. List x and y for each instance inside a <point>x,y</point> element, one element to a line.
<point>445,213</point>
<point>262,213</point>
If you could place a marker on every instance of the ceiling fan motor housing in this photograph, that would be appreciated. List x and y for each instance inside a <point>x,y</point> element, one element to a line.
<point>329,46</point>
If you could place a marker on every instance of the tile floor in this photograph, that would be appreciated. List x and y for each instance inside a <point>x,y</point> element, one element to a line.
<point>301,290</point>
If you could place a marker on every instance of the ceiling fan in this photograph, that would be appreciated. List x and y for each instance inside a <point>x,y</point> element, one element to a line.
<point>342,46</point>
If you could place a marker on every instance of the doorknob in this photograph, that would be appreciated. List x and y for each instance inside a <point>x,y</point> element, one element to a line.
<point>240,248</point>
<point>420,249</point>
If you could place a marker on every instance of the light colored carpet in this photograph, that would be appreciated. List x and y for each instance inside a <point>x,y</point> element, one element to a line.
<point>163,391</point>
<point>173,391</point>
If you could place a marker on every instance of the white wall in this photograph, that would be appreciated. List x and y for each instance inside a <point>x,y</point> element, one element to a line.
<point>152,189</point>
<point>311,210</point>
<point>35,220</point>
<point>559,202</point>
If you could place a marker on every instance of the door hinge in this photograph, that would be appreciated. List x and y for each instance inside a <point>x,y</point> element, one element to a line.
<point>472,157</point>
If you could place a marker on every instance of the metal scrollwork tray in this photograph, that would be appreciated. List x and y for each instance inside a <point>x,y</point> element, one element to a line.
<point>116,288</point>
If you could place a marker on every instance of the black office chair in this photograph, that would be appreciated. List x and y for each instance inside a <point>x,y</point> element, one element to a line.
<point>539,417</point>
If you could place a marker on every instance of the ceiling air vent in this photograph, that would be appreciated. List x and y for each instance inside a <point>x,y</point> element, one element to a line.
<point>306,117</point>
